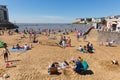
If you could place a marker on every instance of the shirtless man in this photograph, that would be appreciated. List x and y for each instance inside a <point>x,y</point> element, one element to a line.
<point>5,53</point>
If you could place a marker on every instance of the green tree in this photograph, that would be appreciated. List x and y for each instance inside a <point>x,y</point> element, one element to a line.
<point>89,19</point>
<point>103,22</point>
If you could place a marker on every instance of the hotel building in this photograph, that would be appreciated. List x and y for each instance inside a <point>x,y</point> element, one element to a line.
<point>4,14</point>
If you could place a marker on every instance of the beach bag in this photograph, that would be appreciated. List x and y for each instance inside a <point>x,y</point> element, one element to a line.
<point>53,70</point>
<point>6,76</point>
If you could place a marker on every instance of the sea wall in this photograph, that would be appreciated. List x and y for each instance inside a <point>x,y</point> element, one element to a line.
<point>7,25</point>
<point>102,36</point>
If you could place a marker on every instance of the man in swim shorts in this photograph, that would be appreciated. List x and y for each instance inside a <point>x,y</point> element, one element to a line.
<point>5,53</point>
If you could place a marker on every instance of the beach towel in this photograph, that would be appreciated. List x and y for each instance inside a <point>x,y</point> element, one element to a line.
<point>18,50</point>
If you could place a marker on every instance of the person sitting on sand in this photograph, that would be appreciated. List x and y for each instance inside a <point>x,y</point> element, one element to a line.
<point>111,42</point>
<point>13,47</point>
<point>16,30</point>
<point>115,62</point>
<point>64,42</point>
<point>68,42</point>
<point>35,40</point>
<point>90,47</point>
<point>26,47</point>
<point>53,66</point>
<point>61,39</point>
<point>78,67</point>
<point>85,50</point>
<point>18,46</point>
<point>80,48</point>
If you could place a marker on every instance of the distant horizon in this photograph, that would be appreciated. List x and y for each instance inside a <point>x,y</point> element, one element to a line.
<point>43,23</point>
<point>59,11</point>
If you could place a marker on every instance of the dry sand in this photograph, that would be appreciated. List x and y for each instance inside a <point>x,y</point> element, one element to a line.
<point>33,64</point>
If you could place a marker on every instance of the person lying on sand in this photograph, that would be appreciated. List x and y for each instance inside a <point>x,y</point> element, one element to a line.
<point>58,66</point>
<point>115,62</point>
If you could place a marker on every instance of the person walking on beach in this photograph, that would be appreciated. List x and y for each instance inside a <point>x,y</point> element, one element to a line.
<point>84,37</point>
<point>5,54</point>
<point>77,35</point>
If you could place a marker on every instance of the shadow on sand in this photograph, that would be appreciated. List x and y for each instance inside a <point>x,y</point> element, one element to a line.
<point>86,72</point>
<point>58,73</point>
<point>14,60</point>
<point>11,67</point>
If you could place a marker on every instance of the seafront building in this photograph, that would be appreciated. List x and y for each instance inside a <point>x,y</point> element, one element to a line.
<point>4,19</point>
<point>4,14</point>
<point>112,22</point>
<point>88,20</point>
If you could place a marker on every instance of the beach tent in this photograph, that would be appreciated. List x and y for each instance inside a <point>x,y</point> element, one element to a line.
<point>1,44</point>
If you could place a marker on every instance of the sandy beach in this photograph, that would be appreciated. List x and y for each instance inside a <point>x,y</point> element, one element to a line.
<point>33,64</point>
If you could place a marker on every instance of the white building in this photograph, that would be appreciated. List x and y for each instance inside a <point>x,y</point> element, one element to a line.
<point>97,20</point>
<point>80,20</point>
<point>4,13</point>
<point>113,24</point>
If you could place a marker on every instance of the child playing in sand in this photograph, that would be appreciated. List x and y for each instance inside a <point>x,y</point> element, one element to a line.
<point>80,48</point>
<point>5,53</point>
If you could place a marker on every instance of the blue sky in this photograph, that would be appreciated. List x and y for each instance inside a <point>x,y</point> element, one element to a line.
<point>59,11</point>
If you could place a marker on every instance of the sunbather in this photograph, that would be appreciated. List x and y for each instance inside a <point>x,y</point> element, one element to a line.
<point>80,48</point>
<point>78,67</point>
<point>54,66</point>
<point>90,47</point>
<point>26,47</point>
<point>68,42</point>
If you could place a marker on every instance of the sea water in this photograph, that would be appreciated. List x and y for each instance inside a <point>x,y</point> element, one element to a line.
<point>51,26</point>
